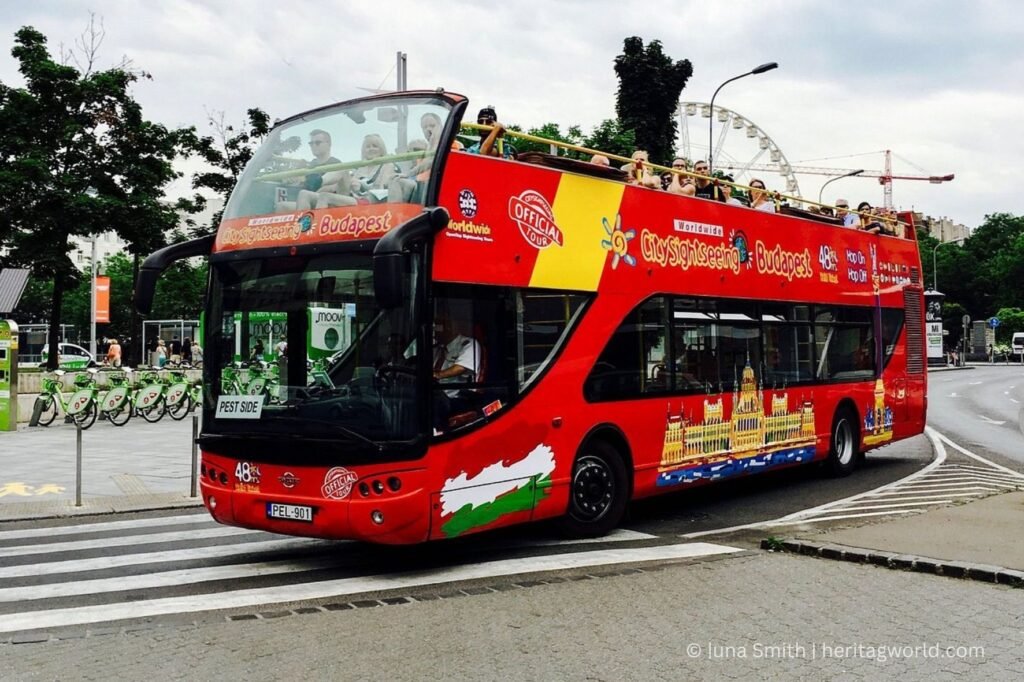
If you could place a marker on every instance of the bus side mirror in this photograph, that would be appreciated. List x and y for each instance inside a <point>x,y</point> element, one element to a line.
<point>157,262</point>
<point>389,254</point>
<point>388,275</point>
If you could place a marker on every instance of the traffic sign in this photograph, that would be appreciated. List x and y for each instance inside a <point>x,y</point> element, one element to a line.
<point>993,322</point>
<point>966,320</point>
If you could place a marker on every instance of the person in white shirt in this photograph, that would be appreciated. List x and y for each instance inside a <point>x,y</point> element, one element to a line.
<point>457,360</point>
<point>456,356</point>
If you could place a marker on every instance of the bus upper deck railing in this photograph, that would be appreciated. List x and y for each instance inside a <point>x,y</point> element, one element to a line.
<point>641,166</point>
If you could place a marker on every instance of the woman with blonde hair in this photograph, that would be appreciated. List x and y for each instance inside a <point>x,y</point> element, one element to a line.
<point>347,187</point>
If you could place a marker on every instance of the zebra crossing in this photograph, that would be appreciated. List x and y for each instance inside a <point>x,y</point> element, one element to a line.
<point>124,571</point>
<point>942,482</point>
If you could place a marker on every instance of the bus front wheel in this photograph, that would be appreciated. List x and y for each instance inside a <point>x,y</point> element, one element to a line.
<point>842,453</point>
<point>599,491</point>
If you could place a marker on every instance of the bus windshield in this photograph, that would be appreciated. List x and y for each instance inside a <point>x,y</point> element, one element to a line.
<point>305,336</point>
<point>350,155</point>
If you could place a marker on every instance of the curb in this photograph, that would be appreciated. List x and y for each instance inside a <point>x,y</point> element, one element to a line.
<point>901,562</point>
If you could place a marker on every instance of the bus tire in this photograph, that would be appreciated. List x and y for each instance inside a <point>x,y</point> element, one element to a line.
<point>843,443</point>
<point>598,491</point>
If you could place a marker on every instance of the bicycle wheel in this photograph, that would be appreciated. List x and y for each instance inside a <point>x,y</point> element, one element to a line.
<point>153,414</point>
<point>120,416</point>
<point>181,410</point>
<point>87,417</point>
<point>49,412</point>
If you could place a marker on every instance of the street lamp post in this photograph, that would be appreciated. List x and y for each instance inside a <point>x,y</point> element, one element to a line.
<point>711,121</point>
<point>839,177</point>
<point>92,302</point>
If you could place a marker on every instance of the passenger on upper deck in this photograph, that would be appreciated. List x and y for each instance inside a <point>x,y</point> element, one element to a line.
<point>681,184</point>
<point>705,188</point>
<point>366,182</point>
<point>320,146</point>
<point>759,200</point>
<point>726,188</point>
<point>868,220</point>
<point>600,160</point>
<point>843,213</point>
<point>491,142</point>
<point>640,172</point>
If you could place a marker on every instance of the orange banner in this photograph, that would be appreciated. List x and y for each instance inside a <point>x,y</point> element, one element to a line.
<point>102,299</point>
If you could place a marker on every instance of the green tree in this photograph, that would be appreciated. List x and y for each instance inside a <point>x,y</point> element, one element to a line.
<point>649,87</point>
<point>227,151</point>
<point>610,136</point>
<point>1011,321</point>
<point>78,159</point>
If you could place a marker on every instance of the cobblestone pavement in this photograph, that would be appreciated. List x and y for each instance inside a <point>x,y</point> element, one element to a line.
<point>765,616</point>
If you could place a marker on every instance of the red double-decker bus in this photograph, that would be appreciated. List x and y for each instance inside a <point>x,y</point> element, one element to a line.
<point>448,343</point>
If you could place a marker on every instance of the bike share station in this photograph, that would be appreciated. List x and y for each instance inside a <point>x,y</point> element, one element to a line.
<point>8,375</point>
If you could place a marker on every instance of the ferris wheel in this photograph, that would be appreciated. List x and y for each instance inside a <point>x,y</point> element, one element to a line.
<point>742,148</point>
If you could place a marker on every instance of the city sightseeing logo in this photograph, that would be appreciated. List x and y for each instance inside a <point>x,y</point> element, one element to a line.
<point>618,242</point>
<point>532,213</point>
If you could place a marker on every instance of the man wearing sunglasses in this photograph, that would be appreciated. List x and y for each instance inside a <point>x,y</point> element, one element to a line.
<point>492,141</point>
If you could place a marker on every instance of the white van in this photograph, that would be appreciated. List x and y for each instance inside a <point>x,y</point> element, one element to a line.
<point>1017,345</point>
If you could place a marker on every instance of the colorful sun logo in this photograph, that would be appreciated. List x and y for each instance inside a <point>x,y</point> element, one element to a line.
<point>742,246</point>
<point>618,242</point>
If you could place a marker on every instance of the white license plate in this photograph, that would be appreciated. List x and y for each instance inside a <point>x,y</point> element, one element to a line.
<point>289,512</point>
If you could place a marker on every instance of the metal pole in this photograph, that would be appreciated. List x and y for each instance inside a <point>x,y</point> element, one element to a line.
<point>827,182</point>
<point>195,454</point>
<point>711,121</point>
<point>78,464</point>
<point>92,304</point>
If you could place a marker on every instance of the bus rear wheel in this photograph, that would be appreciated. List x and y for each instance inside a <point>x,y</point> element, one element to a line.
<point>842,453</point>
<point>598,493</point>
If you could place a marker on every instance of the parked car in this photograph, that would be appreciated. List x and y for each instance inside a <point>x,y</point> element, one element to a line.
<point>71,357</point>
<point>1017,346</point>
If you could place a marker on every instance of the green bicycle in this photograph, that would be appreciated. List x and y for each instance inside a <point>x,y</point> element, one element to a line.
<point>79,406</point>
<point>182,396</point>
<point>117,404</point>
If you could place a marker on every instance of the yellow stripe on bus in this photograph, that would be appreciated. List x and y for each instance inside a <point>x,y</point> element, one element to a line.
<point>579,206</point>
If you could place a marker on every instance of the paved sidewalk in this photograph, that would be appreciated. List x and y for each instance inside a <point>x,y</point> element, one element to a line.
<point>134,467</point>
<point>980,540</point>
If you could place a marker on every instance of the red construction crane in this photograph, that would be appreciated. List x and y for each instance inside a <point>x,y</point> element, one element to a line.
<point>885,177</point>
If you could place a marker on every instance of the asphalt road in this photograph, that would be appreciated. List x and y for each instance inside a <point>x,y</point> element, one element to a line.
<point>983,409</point>
<point>174,595</point>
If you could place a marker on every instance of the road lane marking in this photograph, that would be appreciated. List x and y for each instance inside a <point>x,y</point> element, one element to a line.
<point>990,420</point>
<point>987,485</point>
<point>83,615</point>
<point>816,519</point>
<point>978,458</point>
<point>194,576</point>
<point>174,555</point>
<point>932,497</point>
<point>858,507</point>
<point>125,541</point>
<point>85,528</point>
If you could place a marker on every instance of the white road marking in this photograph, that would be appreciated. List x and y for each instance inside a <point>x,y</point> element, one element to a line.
<point>192,576</point>
<point>845,516</point>
<point>975,383</point>
<point>983,479</point>
<point>857,506</point>
<point>929,497</point>
<point>85,528</point>
<point>959,486</point>
<point>35,620</point>
<point>978,458</point>
<point>953,395</point>
<point>125,541</point>
<point>98,563</point>
<point>990,420</point>
<point>1014,400</point>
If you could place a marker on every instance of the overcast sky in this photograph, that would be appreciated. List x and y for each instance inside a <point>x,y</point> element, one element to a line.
<point>940,83</point>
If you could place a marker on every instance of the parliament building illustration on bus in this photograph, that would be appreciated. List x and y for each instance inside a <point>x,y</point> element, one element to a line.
<point>878,419</point>
<point>749,440</point>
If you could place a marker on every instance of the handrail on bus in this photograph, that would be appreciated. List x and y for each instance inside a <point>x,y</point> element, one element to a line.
<point>776,196</point>
<point>344,165</point>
